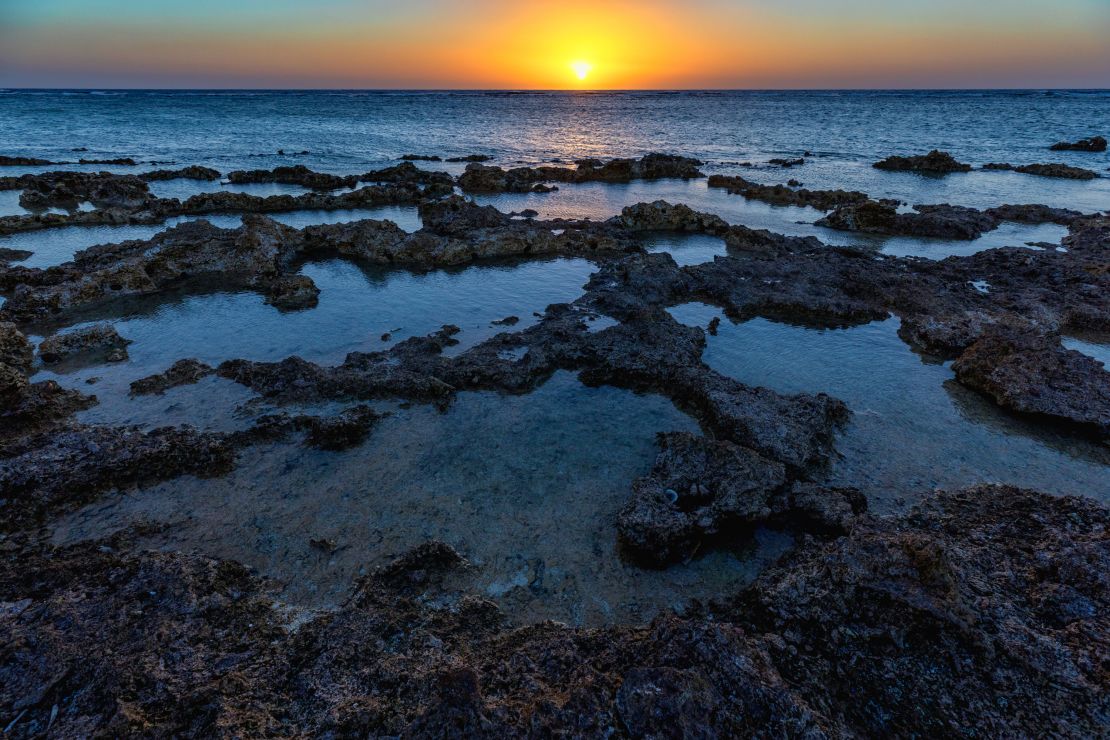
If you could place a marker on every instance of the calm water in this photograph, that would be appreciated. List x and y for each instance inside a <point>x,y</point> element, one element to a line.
<point>528,486</point>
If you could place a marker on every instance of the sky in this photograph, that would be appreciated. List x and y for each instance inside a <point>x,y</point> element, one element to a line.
<point>573,44</point>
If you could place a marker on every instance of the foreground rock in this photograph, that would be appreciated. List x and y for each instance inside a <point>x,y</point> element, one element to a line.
<point>1033,373</point>
<point>978,602</point>
<point>182,372</point>
<point>1091,144</point>
<point>702,490</point>
<point>938,221</point>
<point>935,162</point>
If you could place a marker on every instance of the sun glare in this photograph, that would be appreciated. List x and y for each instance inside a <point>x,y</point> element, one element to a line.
<point>581,69</point>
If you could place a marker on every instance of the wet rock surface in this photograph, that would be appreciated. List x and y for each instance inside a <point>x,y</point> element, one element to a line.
<point>1033,373</point>
<point>99,340</point>
<point>1090,144</point>
<point>1058,170</point>
<point>936,161</point>
<point>480,178</point>
<point>182,372</point>
<point>979,601</point>
<point>822,200</point>
<point>294,175</point>
<point>192,172</point>
<point>936,221</point>
<point>6,161</point>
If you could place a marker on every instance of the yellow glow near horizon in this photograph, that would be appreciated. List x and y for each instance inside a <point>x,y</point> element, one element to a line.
<point>581,69</point>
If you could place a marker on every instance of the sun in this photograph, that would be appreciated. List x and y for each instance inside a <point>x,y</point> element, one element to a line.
<point>581,69</point>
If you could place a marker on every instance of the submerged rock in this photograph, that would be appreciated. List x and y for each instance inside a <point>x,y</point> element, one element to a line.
<point>293,293</point>
<point>471,158</point>
<point>935,161</point>
<point>1033,373</point>
<point>421,158</point>
<point>23,161</point>
<point>1091,144</point>
<point>100,340</point>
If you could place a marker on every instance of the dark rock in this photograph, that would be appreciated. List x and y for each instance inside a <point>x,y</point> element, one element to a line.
<point>507,321</point>
<point>1057,170</point>
<point>697,488</point>
<point>182,372</point>
<point>1033,373</point>
<point>13,255</point>
<point>99,340</point>
<point>479,178</point>
<point>23,161</point>
<point>421,158</point>
<point>787,162</point>
<point>185,173</point>
<point>293,293</point>
<point>822,200</point>
<point>118,160</point>
<point>471,158</point>
<point>1092,144</point>
<point>935,161</point>
<point>938,221</point>
<point>294,175</point>
<point>69,189</point>
<point>15,350</point>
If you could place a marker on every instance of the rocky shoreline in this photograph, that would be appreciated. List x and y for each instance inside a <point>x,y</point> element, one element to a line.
<point>982,610</point>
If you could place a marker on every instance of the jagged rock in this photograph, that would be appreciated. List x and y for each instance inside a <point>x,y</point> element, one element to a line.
<point>479,178</point>
<point>939,221</point>
<point>1046,170</point>
<point>293,293</point>
<point>182,372</point>
<point>1091,144</point>
<point>23,161</point>
<point>15,350</point>
<point>69,189</point>
<point>1032,373</point>
<point>294,175</point>
<point>697,488</point>
<point>192,172</point>
<point>97,340</point>
<point>822,200</point>
<point>935,161</point>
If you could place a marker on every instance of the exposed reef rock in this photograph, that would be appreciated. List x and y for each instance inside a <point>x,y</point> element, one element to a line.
<point>1091,144</point>
<point>978,602</point>
<point>185,173</point>
<point>182,372</point>
<point>124,161</point>
<point>15,350</point>
<point>137,206</point>
<point>74,464</point>
<point>935,161</point>
<point>13,255</point>
<point>1033,373</point>
<point>937,221</point>
<point>295,175</point>
<point>98,340</point>
<point>479,178</point>
<point>70,189</point>
<point>23,161</point>
<point>822,200</point>
<point>1046,170</point>
<point>340,432</point>
<point>421,158</point>
<point>471,158</point>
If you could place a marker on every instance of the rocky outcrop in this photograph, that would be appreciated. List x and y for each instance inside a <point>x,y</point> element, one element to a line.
<point>182,372</point>
<point>1091,144</point>
<point>421,158</point>
<point>479,178</point>
<point>936,162</point>
<point>100,341</point>
<point>23,161</point>
<point>193,172</point>
<point>782,195</point>
<point>294,175</point>
<point>69,189</point>
<point>937,221</point>
<point>1032,373</point>
<point>15,350</point>
<point>1063,171</point>
<point>471,158</point>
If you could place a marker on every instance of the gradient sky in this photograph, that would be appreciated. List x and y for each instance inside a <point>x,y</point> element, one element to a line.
<point>521,44</point>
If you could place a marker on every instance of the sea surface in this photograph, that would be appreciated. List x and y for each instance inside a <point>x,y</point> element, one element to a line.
<point>528,487</point>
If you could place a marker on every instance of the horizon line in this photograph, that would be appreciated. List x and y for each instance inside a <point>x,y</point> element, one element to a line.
<point>18,88</point>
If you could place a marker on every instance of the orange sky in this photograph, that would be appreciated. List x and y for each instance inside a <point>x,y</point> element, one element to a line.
<point>503,44</point>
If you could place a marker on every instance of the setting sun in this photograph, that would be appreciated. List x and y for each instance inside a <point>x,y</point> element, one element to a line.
<point>581,69</point>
